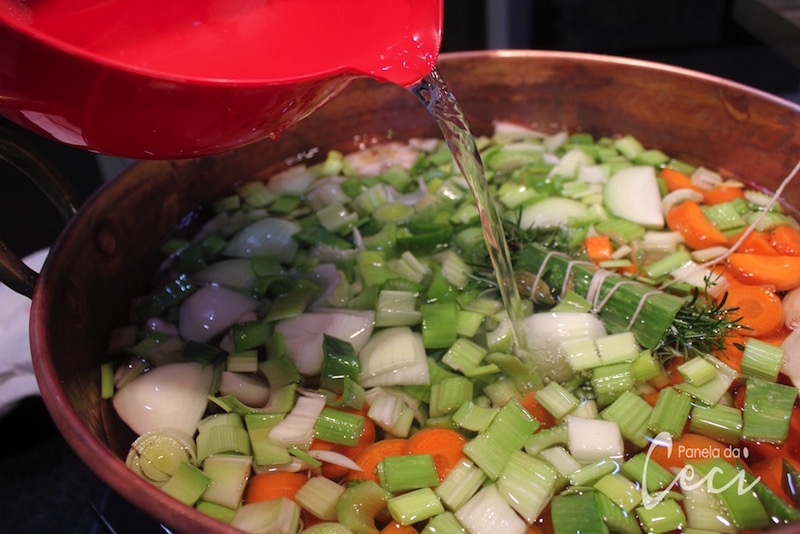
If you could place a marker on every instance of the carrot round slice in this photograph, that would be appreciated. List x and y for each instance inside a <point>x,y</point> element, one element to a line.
<point>444,444</point>
<point>697,231</point>
<point>722,193</point>
<point>273,485</point>
<point>786,240</point>
<point>760,309</point>
<point>780,272</point>
<point>373,454</point>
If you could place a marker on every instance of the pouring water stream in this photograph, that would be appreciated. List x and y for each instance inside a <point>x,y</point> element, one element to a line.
<point>442,105</point>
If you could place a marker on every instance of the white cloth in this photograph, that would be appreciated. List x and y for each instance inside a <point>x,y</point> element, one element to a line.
<point>17,380</point>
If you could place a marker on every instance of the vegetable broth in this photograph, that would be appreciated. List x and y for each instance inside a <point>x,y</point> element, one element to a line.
<point>343,217</point>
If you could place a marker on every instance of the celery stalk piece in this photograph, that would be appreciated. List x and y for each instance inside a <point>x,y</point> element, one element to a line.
<point>487,511</point>
<point>632,414</point>
<point>407,472</point>
<point>414,506</point>
<point>745,510</point>
<point>666,516</point>
<point>767,410</point>
<point>320,495</point>
<point>556,400</point>
<point>762,360</point>
<point>719,422</point>
<point>279,516</point>
<point>445,523</point>
<point>670,412</point>
<point>460,484</point>
<point>562,460</point>
<point>187,484</point>
<point>576,513</point>
<point>228,474</point>
<point>527,484</point>
<point>620,490</point>
<point>359,504</point>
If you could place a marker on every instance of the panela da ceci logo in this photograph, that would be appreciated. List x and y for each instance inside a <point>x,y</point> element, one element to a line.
<point>687,477</point>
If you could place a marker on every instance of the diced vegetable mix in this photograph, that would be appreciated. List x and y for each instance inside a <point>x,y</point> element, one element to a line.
<point>329,351</point>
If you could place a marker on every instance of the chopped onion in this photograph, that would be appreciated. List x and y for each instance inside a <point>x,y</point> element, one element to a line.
<point>234,273</point>
<point>632,193</point>
<point>210,311</point>
<point>791,358</point>
<point>333,457</point>
<point>293,180</point>
<point>247,387</point>
<point>551,212</point>
<point>266,237</point>
<point>172,396</point>
<point>547,330</point>
<point>679,196</point>
<point>303,334</point>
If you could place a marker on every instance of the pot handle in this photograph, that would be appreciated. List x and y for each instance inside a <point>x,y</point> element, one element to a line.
<point>13,272</point>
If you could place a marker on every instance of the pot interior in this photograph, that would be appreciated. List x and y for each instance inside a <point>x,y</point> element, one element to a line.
<point>106,255</point>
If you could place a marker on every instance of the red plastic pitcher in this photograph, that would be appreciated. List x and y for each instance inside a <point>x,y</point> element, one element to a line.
<point>151,79</point>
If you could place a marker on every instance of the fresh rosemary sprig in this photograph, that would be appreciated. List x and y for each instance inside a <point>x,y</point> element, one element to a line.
<point>700,327</point>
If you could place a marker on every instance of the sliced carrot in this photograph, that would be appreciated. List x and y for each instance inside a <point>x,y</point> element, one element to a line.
<point>722,193</point>
<point>695,228</point>
<point>754,243</point>
<point>372,455</point>
<point>393,527</point>
<point>598,247</point>
<point>545,418</point>
<point>779,272</point>
<point>444,444</point>
<point>770,471</point>
<point>760,309</point>
<point>675,179</point>
<point>273,485</point>
<point>786,240</point>
<point>651,398</point>
<point>691,446</point>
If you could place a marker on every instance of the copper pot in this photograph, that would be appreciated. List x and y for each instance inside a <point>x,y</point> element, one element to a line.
<point>104,256</point>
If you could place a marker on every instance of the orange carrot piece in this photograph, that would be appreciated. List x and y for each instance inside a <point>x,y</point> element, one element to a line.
<point>273,485</point>
<point>721,193</point>
<point>697,231</point>
<point>675,179</point>
<point>394,527</point>
<point>444,444</point>
<point>760,309</point>
<point>598,247</point>
<point>545,418</point>
<point>374,454</point>
<point>690,446</point>
<point>786,240</point>
<point>779,272</point>
<point>755,243</point>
